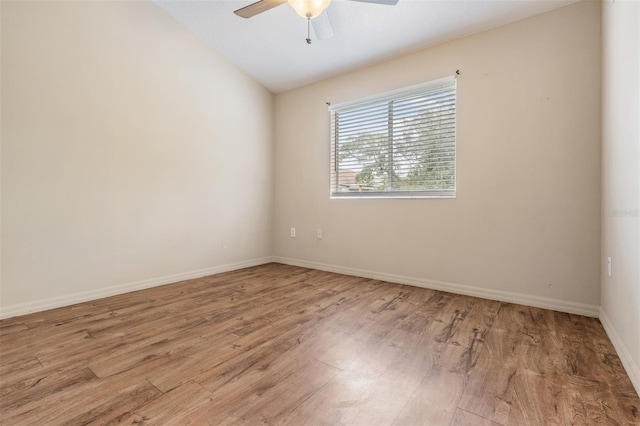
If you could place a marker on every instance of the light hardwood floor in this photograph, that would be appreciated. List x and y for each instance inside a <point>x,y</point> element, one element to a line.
<point>278,344</point>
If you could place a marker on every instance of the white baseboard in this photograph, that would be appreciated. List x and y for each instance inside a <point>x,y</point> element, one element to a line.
<point>558,305</point>
<point>85,296</point>
<point>503,296</point>
<point>633,370</point>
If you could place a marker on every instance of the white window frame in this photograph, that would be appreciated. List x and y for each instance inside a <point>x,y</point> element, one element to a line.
<point>424,88</point>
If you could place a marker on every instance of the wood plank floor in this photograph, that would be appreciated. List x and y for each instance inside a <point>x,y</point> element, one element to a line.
<point>278,344</point>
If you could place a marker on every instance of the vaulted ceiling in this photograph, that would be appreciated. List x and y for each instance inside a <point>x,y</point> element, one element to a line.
<point>271,46</point>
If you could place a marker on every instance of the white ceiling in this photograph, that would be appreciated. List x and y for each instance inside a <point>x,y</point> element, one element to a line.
<point>271,46</point>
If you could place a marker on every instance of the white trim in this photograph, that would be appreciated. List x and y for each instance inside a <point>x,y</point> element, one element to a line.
<point>85,296</point>
<point>503,296</point>
<point>633,370</point>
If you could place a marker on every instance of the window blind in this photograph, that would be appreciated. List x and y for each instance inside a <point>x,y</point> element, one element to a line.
<point>399,144</point>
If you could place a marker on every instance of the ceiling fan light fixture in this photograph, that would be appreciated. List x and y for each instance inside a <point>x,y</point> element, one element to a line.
<point>309,9</point>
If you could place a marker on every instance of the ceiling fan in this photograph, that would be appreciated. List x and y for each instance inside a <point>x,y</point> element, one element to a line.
<point>308,9</point>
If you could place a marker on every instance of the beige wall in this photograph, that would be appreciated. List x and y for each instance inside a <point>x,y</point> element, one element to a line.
<point>526,218</point>
<point>132,154</point>
<point>620,312</point>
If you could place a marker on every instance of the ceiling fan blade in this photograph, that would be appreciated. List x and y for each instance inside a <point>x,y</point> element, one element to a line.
<point>389,2</point>
<point>258,7</point>
<point>322,26</point>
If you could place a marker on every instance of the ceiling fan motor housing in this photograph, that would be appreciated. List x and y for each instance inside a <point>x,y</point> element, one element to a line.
<point>309,8</point>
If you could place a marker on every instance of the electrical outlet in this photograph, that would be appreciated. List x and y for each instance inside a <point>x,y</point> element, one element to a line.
<point>319,234</point>
<point>293,232</point>
<point>609,266</point>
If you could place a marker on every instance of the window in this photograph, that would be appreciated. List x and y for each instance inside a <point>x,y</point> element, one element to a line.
<point>400,144</point>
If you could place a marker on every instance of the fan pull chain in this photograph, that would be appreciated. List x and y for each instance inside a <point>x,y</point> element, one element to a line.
<point>308,29</point>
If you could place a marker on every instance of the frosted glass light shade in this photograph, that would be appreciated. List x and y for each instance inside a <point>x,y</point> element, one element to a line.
<point>309,8</point>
